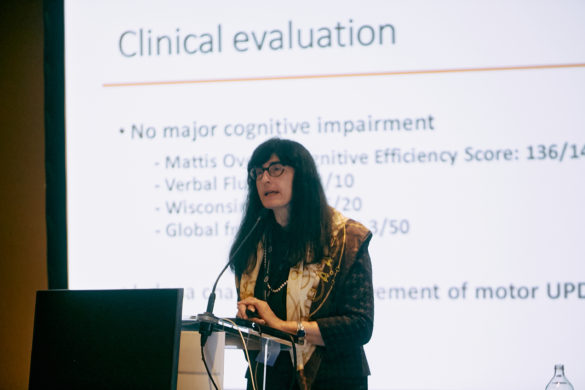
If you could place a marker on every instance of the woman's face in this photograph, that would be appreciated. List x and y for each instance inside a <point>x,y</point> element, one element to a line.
<point>276,192</point>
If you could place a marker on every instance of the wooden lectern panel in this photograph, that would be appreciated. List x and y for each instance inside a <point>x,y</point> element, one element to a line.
<point>192,373</point>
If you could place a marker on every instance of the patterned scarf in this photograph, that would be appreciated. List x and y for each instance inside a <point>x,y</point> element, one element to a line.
<point>307,283</point>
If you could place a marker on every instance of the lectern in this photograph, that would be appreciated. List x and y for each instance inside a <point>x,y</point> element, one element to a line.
<point>133,339</point>
<point>226,333</point>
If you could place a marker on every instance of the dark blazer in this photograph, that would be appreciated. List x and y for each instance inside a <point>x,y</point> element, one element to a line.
<point>345,315</point>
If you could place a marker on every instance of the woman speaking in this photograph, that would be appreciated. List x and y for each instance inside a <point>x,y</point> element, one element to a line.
<point>304,270</point>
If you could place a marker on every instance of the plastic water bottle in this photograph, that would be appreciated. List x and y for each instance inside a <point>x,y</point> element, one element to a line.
<point>559,381</point>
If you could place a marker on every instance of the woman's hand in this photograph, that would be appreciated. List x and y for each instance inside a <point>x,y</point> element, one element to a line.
<point>264,314</point>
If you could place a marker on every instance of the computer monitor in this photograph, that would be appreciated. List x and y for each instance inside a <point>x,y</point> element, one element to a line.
<point>106,339</point>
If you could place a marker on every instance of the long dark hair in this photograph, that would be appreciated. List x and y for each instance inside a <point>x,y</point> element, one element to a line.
<point>309,224</point>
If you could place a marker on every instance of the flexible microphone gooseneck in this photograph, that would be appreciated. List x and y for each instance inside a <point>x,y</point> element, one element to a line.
<point>205,327</point>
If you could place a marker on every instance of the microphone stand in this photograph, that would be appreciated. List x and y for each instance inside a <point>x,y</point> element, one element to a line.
<point>205,328</point>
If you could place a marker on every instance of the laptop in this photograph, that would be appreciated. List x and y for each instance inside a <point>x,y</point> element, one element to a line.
<point>106,339</point>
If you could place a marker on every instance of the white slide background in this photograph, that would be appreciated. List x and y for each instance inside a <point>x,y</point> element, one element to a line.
<point>500,89</point>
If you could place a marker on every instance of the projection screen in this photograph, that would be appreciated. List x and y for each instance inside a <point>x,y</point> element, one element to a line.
<point>453,130</point>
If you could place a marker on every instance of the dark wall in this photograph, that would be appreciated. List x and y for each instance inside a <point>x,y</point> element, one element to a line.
<point>22,184</point>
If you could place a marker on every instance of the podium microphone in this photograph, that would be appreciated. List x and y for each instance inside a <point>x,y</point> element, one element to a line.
<point>205,328</point>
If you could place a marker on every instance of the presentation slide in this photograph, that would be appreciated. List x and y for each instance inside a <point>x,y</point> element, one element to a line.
<point>454,130</point>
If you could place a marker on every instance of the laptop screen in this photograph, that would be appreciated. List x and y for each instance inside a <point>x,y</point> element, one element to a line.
<point>106,339</point>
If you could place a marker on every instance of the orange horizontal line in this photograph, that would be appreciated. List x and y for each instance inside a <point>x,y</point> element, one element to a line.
<point>339,75</point>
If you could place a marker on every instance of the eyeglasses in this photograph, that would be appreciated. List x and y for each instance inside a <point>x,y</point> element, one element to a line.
<point>274,169</point>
